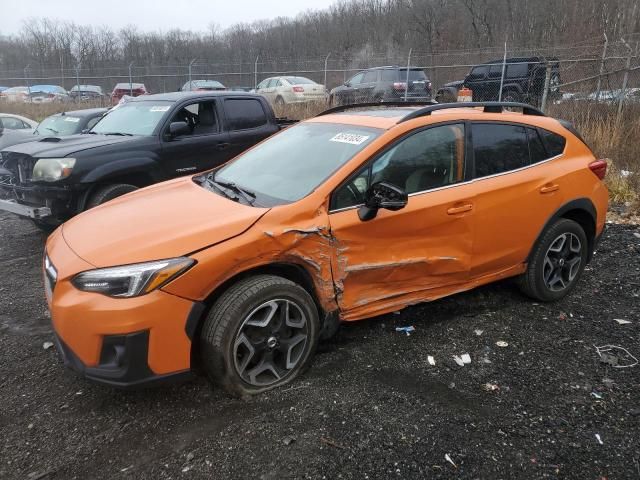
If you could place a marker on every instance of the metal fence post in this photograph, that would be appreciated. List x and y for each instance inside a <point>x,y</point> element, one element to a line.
<point>625,79</point>
<point>406,84</point>
<point>504,67</point>
<point>604,56</point>
<point>26,80</point>
<point>190,65</point>
<point>130,80</point>
<point>545,93</point>
<point>326,59</point>
<point>255,73</point>
<point>78,80</point>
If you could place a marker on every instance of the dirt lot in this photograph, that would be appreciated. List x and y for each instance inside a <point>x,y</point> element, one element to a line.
<point>370,407</point>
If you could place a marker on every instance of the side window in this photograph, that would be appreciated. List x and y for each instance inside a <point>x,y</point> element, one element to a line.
<point>427,159</point>
<point>517,70</point>
<point>370,77</point>
<point>555,143</point>
<point>499,148</point>
<point>495,71</point>
<point>537,152</point>
<point>389,75</point>
<point>478,73</point>
<point>201,117</point>
<point>91,123</point>
<point>244,113</point>
<point>277,83</point>
<point>357,79</point>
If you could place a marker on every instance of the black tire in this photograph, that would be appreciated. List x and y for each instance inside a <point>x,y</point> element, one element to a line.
<point>279,102</point>
<point>221,339</point>
<point>108,192</point>
<point>45,227</point>
<point>535,281</point>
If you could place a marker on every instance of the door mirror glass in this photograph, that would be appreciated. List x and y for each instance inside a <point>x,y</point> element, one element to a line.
<point>178,128</point>
<point>382,195</point>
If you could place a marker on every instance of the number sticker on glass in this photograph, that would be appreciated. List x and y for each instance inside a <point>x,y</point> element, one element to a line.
<point>72,119</point>
<point>159,108</point>
<point>352,138</point>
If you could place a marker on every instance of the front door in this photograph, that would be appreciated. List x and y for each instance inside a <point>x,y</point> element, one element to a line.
<point>413,254</point>
<point>204,147</point>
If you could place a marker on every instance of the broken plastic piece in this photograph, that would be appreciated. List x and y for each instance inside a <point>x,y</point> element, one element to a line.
<point>431,360</point>
<point>406,330</point>
<point>479,332</point>
<point>622,321</point>
<point>596,395</point>
<point>448,459</point>
<point>466,358</point>
<point>47,345</point>
<point>605,352</point>
<point>458,360</point>
<point>599,439</point>
<point>491,387</point>
<point>502,343</point>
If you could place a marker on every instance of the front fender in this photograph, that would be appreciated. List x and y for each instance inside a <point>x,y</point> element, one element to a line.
<point>117,168</point>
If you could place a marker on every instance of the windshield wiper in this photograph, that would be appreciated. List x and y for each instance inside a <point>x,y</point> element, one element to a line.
<point>121,134</point>
<point>55,132</point>
<point>248,195</point>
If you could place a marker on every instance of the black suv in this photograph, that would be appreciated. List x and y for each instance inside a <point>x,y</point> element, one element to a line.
<point>523,81</point>
<point>146,140</point>
<point>383,84</point>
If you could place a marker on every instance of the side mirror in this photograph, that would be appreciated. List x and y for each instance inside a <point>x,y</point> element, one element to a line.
<point>178,128</point>
<point>382,195</point>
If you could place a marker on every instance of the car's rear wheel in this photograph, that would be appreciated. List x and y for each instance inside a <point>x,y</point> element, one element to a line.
<point>109,192</point>
<point>260,334</point>
<point>557,262</point>
<point>279,102</point>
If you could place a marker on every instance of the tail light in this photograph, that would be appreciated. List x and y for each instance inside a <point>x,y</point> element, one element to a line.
<point>50,95</point>
<point>399,85</point>
<point>298,89</point>
<point>429,85</point>
<point>599,168</point>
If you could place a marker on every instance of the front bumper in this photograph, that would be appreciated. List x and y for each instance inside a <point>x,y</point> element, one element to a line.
<point>121,342</point>
<point>36,213</point>
<point>39,201</point>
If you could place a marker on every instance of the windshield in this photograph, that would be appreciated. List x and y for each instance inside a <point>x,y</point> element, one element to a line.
<point>133,118</point>
<point>59,125</point>
<point>290,165</point>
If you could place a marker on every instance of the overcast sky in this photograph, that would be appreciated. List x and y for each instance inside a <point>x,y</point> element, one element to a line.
<point>152,15</point>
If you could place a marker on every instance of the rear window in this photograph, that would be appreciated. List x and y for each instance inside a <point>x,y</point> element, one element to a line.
<point>554,143</point>
<point>499,148</point>
<point>244,113</point>
<point>515,70</point>
<point>414,75</point>
<point>299,81</point>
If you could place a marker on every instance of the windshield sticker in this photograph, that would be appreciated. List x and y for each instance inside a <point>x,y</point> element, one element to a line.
<point>159,108</point>
<point>71,119</point>
<point>352,138</point>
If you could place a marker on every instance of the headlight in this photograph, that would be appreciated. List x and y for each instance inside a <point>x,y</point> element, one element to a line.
<point>131,280</point>
<point>52,169</point>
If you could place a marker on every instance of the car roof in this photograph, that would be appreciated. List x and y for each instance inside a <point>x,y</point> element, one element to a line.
<point>387,118</point>
<point>176,96</point>
<point>87,112</point>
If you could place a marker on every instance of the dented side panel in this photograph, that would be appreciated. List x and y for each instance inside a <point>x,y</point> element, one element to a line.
<point>399,258</point>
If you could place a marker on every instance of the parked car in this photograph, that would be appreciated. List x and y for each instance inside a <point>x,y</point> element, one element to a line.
<point>126,88</point>
<point>3,88</point>
<point>630,95</point>
<point>146,140</point>
<point>60,124</point>
<point>14,94</point>
<point>202,86</point>
<point>47,94</point>
<point>242,269</point>
<point>383,84</point>
<point>86,92</point>
<point>242,89</point>
<point>9,121</point>
<point>524,81</point>
<point>285,90</point>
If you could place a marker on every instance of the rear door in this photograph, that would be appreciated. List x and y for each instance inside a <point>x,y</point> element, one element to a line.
<point>247,123</point>
<point>518,190</point>
<point>368,85</point>
<point>476,82</point>
<point>206,146</point>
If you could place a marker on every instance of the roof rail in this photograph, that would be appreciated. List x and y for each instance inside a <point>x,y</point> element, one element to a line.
<point>489,107</point>
<point>353,106</point>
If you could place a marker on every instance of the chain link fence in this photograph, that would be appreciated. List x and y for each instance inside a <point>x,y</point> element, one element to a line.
<point>598,71</point>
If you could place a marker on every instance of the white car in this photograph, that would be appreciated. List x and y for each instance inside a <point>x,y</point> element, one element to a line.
<point>10,121</point>
<point>15,94</point>
<point>285,90</point>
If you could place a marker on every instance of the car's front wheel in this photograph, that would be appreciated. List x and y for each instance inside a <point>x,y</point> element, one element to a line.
<point>260,334</point>
<point>557,262</point>
<point>109,192</point>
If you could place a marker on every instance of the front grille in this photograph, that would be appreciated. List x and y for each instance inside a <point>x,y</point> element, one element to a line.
<point>20,165</point>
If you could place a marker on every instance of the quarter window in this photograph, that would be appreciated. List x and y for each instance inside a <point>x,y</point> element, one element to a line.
<point>499,148</point>
<point>427,159</point>
<point>517,70</point>
<point>537,152</point>
<point>244,113</point>
<point>389,75</point>
<point>555,143</point>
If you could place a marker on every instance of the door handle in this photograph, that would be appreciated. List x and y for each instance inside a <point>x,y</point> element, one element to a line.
<point>549,187</point>
<point>222,145</point>
<point>460,209</point>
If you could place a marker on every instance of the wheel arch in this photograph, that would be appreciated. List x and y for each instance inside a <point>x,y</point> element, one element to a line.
<point>291,271</point>
<point>580,210</point>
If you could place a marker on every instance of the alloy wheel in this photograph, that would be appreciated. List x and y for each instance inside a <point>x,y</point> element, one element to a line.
<point>271,342</point>
<point>562,262</point>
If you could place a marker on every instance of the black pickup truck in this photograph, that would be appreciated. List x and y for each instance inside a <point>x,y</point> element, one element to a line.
<point>146,140</point>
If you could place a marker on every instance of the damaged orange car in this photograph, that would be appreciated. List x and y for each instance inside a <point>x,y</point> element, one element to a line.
<point>351,214</point>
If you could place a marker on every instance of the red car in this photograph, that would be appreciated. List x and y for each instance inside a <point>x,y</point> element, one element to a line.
<point>126,88</point>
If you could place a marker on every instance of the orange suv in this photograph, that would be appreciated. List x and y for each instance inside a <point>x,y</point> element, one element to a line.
<point>351,214</point>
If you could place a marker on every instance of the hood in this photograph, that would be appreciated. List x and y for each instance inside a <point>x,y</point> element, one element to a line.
<point>14,137</point>
<point>457,83</point>
<point>56,147</point>
<point>165,220</point>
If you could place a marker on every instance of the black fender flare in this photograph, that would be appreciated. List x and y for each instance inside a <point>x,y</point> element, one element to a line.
<point>513,86</point>
<point>578,204</point>
<point>145,165</point>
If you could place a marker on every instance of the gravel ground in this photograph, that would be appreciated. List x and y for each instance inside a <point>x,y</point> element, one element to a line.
<point>371,406</point>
